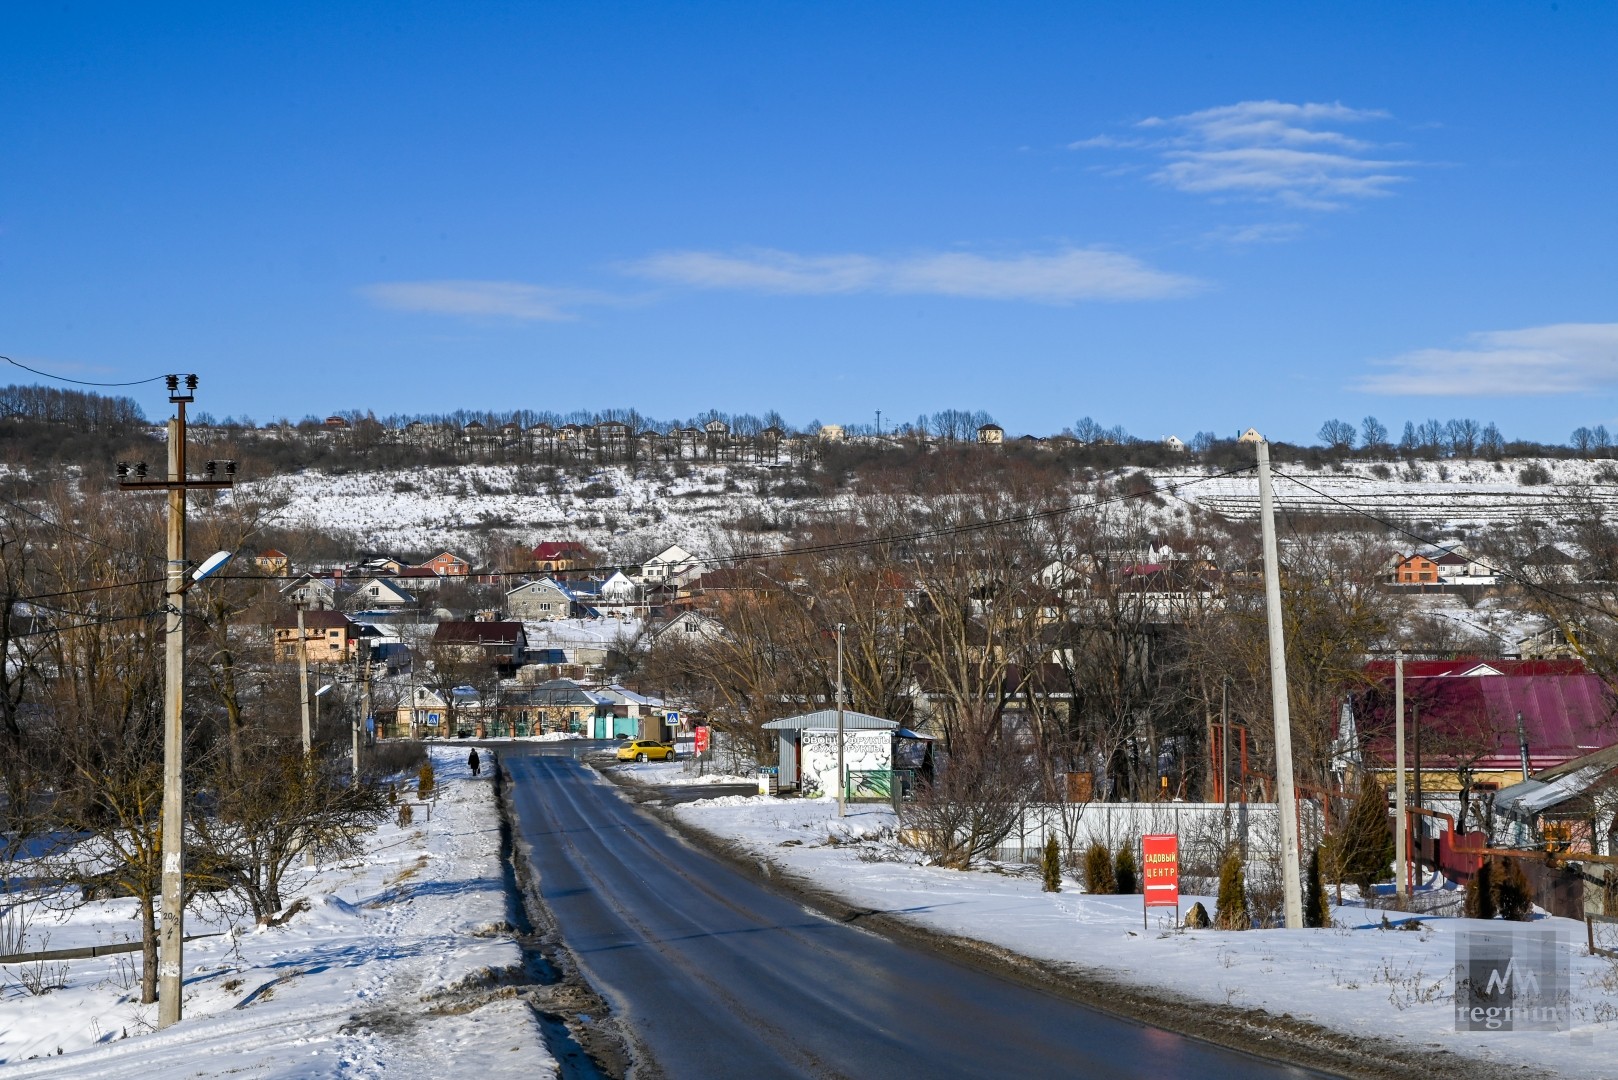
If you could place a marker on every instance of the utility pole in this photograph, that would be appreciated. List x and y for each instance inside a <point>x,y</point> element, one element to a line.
<point>1291,881</point>
<point>841,785</point>
<point>364,717</point>
<point>303,680</point>
<point>1224,749</point>
<point>1401,853</point>
<point>171,932</point>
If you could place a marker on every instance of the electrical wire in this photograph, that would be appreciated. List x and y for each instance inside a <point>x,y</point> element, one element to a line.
<point>81,382</point>
<point>77,535</point>
<point>1392,526</point>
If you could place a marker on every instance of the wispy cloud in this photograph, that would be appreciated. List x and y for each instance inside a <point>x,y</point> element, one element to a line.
<point>494,299</point>
<point>1267,151</point>
<point>1266,232</point>
<point>1565,358</point>
<point>1061,277</point>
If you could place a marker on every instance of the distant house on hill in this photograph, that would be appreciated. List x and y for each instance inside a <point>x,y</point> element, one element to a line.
<point>991,434</point>
<point>448,564</point>
<point>501,644</point>
<point>1251,435</point>
<point>1173,444</point>
<point>559,556</point>
<point>272,561</point>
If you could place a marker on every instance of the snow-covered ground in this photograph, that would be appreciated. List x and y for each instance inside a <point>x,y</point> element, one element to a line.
<point>661,773</point>
<point>647,508</point>
<point>1357,977</point>
<point>401,967</point>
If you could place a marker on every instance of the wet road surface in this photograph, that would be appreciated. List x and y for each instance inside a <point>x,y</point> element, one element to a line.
<point>719,976</point>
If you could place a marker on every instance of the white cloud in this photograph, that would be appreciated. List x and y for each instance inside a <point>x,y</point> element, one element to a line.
<point>500,299</point>
<point>1065,276</point>
<point>1565,358</point>
<point>1263,232</point>
<point>1270,151</point>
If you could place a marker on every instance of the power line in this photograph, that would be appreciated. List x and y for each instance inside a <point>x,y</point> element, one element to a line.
<point>1391,526</point>
<point>76,535</point>
<point>80,382</point>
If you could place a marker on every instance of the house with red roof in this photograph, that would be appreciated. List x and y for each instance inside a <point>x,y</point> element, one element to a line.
<point>448,564</point>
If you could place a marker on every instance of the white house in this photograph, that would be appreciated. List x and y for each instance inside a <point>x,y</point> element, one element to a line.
<point>1251,435</point>
<point>379,593</point>
<point>1173,444</point>
<point>673,565</point>
<point>688,626</point>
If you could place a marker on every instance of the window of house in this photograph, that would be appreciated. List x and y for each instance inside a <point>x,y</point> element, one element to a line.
<point>336,633</point>
<point>691,628</point>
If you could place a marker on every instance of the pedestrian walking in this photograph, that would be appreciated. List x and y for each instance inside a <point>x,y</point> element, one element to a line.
<point>472,761</point>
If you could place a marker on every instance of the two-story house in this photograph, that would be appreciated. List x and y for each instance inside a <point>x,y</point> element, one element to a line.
<point>448,564</point>
<point>329,637</point>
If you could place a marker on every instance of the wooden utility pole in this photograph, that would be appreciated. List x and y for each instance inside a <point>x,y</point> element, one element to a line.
<point>171,932</point>
<point>1291,879</point>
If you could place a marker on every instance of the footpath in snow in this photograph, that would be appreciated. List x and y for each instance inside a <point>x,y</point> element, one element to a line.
<point>402,966</point>
<point>1356,978</point>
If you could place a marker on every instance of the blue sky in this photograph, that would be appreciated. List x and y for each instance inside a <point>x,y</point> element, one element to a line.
<point>1172,217</point>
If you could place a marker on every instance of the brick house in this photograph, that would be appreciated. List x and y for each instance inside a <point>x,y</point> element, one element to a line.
<point>329,637</point>
<point>1415,570</point>
<point>503,645</point>
<point>448,564</point>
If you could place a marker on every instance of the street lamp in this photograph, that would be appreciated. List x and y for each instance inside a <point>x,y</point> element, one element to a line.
<point>318,695</point>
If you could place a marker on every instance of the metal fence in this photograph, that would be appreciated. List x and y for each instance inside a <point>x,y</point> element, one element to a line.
<point>1206,832</point>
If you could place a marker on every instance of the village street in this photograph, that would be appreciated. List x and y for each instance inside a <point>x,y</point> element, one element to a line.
<point>716,975</point>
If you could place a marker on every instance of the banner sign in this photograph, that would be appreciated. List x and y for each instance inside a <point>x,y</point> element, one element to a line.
<point>1160,855</point>
<point>702,740</point>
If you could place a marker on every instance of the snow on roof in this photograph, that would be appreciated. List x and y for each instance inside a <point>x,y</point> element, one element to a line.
<point>826,719</point>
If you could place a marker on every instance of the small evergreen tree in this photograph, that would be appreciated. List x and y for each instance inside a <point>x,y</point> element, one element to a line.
<point>1316,911</point>
<point>1512,893</point>
<point>1052,865</point>
<point>1230,912</point>
<point>1098,879</point>
<point>1125,878</point>
<point>425,782</point>
<point>1480,893</point>
<point>1362,850</point>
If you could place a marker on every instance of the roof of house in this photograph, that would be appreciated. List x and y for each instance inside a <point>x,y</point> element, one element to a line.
<point>826,719</point>
<point>318,618</point>
<point>467,632</point>
<point>417,572</point>
<point>1475,665</point>
<point>558,549</point>
<point>1475,718</point>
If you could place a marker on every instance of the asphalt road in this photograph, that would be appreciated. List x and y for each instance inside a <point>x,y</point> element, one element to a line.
<point>720,976</point>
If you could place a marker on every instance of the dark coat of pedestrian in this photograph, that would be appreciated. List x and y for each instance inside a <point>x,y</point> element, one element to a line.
<point>472,761</point>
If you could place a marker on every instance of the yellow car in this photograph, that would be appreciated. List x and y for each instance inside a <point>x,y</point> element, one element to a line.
<point>645,750</point>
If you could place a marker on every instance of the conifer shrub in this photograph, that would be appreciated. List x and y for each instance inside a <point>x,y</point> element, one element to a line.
<point>1125,878</point>
<point>406,817</point>
<point>426,783</point>
<point>1230,911</point>
<point>1479,902</point>
<point>1361,852</point>
<point>1052,865</point>
<point>1513,896</point>
<point>1316,910</point>
<point>1098,879</point>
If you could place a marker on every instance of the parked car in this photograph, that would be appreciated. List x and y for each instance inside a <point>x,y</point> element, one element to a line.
<point>645,750</point>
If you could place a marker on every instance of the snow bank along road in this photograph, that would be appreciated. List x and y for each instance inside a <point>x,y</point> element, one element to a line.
<point>716,976</point>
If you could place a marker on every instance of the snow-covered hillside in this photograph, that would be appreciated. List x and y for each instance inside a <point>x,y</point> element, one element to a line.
<point>627,515</point>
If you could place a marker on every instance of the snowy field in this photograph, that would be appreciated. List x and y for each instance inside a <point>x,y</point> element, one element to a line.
<point>401,967</point>
<point>1357,977</point>
<point>625,515</point>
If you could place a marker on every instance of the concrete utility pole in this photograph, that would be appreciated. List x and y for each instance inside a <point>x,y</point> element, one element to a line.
<point>840,783</point>
<point>1291,880</point>
<point>364,716</point>
<point>1401,853</point>
<point>303,679</point>
<point>171,932</point>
